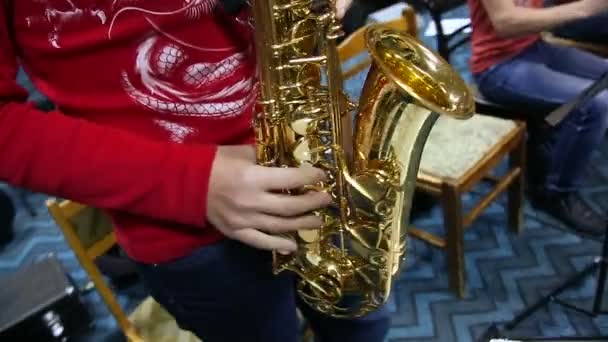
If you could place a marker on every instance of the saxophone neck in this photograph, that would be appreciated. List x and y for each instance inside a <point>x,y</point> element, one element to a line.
<point>264,38</point>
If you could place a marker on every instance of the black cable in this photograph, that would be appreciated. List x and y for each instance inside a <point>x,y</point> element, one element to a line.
<point>233,7</point>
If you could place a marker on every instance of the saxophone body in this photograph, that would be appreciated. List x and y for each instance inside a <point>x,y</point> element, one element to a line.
<point>347,267</point>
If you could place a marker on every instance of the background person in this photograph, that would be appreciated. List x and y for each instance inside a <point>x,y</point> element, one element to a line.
<point>512,66</point>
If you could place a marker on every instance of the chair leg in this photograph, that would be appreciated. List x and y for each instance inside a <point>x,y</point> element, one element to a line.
<point>111,301</point>
<point>442,40</point>
<point>97,278</point>
<point>453,221</point>
<point>515,200</point>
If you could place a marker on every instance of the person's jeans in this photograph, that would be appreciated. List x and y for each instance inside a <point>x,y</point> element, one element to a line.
<point>539,80</point>
<point>227,292</point>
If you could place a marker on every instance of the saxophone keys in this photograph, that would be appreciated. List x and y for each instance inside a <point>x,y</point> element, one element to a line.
<point>313,258</point>
<point>303,117</point>
<point>308,235</point>
<point>305,36</point>
<point>309,78</point>
<point>309,150</point>
<point>300,125</point>
<point>302,152</point>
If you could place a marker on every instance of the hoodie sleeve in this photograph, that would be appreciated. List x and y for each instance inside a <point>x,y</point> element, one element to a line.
<point>89,163</point>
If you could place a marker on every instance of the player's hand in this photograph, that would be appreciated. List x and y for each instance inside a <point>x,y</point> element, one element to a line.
<point>342,6</point>
<point>594,7</point>
<point>244,203</point>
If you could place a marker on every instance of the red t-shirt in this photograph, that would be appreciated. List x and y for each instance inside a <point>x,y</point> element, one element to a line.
<point>487,48</point>
<point>145,91</point>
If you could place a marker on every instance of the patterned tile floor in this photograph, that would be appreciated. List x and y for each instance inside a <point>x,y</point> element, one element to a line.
<point>505,272</point>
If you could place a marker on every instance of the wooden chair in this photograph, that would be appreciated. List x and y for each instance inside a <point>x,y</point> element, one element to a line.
<point>353,45</point>
<point>480,143</point>
<point>90,234</point>
<point>436,9</point>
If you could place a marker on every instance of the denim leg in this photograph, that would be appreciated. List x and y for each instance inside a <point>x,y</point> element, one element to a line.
<point>573,61</point>
<point>579,137</point>
<point>371,328</point>
<point>528,84</point>
<point>226,293</point>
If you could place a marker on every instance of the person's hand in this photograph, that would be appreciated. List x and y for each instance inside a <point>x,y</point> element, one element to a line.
<point>594,7</point>
<point>341,7</point>
<point>244,203</point>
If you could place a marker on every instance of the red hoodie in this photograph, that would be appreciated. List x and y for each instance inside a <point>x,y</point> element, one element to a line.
<point>145,91</point>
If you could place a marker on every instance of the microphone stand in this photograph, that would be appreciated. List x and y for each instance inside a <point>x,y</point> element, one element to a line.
<point>555,117</point>
<point>599,265</point>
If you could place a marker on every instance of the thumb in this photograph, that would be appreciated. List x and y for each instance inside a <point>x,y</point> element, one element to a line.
<point>259,240</point>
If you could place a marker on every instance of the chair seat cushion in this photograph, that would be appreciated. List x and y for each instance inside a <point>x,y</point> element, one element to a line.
<point>154,323</point>
<point>456,146</point>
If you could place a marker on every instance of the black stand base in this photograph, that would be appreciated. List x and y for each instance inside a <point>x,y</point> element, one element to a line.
<point>600,264</point>
<point>7,216</point>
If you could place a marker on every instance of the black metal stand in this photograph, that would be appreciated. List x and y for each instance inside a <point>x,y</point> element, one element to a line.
<point>436,9</point>
<point>600,264</point>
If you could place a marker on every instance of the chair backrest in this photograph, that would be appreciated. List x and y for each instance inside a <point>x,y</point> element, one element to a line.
<point>89,232</point>
<point>437,9</point>
<point>85,228</point>
<point>354,45</point>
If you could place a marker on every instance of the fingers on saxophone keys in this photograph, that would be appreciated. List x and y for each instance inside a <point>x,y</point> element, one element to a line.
<point>277,225</point>
<point>291,178</point>
<point>295,205</point>
<point>261,240</point>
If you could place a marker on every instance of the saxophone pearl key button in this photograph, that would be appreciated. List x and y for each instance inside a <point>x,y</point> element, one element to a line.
<point>302,151</point>
<point>313,258</point>
<point>308,236</point>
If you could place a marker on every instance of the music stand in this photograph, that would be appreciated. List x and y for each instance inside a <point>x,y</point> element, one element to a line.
<point>600,264</point>
<point>556,116</point>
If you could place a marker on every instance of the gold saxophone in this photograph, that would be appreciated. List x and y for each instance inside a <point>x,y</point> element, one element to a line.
<point>346,268</point>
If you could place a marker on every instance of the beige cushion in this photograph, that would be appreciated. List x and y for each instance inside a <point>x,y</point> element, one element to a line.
<point>455,146</point>
<point>155,324</point>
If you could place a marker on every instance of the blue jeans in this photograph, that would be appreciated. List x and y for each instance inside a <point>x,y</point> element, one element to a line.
<point>540,79</point>
<point>227,292</point>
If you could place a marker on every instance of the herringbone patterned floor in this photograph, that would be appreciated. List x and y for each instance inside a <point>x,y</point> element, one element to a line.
<point>505,272</point>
